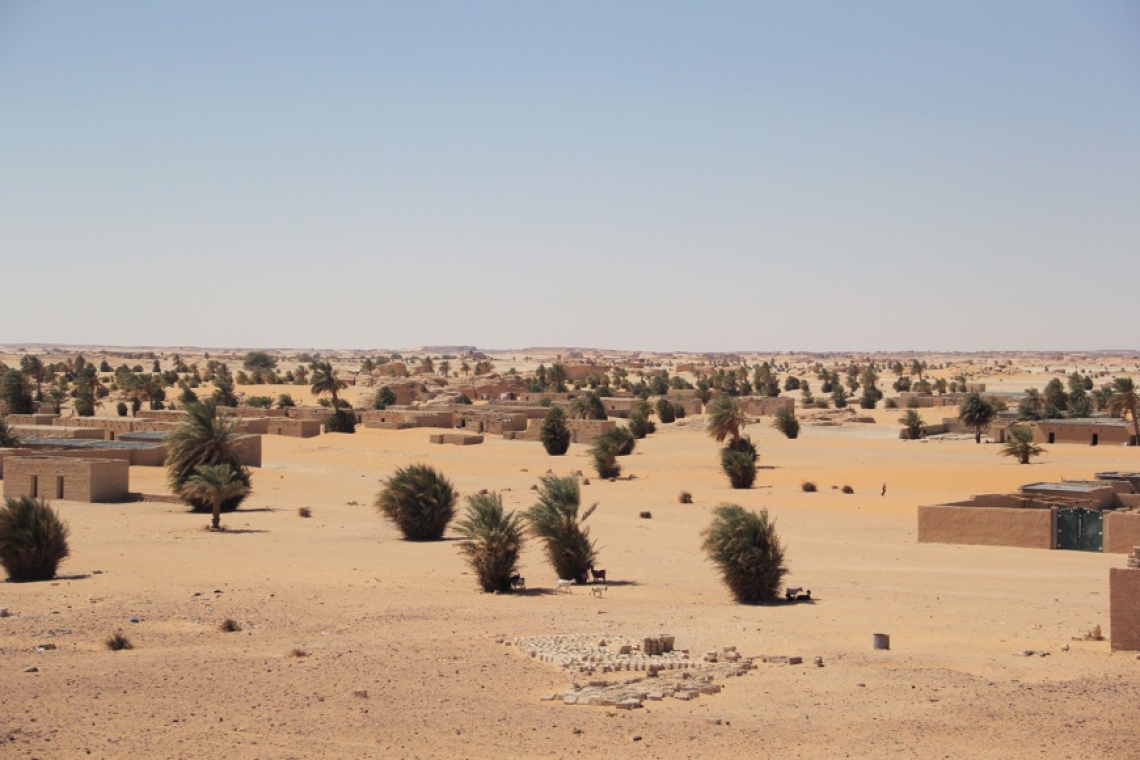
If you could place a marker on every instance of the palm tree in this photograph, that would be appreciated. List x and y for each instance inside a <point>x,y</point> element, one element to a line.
<point>1124,399</point>
<point>786,422</point>
<point>725,418</point>
<point>325,380</point>
<point>555,520</point>
<point>588,406</point>
<point>493,541</point>
<point>555,435</point>
<point>8,437</point>
<point>738,460</point>
<point>419,500</point>
<point>976,412</point>
<point>445,368</point>
<point>746,549</point>
<point>913,423</point>
<point>1020,444</point>
<point>205,438</point>
<point>214,484</point>
<point>33,369</point>
<point>33,540</point>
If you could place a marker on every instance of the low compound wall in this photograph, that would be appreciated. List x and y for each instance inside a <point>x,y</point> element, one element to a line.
<point>988,526</point>
<point>1121,532</point>
<point>1124,608</point>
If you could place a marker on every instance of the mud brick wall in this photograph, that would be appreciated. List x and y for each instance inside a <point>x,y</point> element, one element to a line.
<point>1124,608</point>
<point>988,526</point>
<point>762,405</point>
<point>71,479</point>
<point>1121,532</point>
<point>294,428</point>
<point>249,450</point>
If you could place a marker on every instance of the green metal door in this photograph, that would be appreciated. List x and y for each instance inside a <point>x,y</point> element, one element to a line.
<point>1068,529</point>
<point>1092,531</point>
<point>1080,530</point>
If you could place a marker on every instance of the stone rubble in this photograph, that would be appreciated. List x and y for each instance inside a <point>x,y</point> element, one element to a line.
<point>665,671</point>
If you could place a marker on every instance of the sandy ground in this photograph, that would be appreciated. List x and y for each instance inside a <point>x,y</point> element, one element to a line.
<point>405,622</point>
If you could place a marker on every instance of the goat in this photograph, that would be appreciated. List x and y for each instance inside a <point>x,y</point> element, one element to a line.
<point>598,575</point>
<point>598,591</point>
<point>564,584</point>
<point>517,582</point>
<point>791,593</point>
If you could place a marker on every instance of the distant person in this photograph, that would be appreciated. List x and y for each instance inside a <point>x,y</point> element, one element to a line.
<point>884,493</point>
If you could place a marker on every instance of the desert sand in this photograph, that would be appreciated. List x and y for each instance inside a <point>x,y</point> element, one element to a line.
<point>402,658</point>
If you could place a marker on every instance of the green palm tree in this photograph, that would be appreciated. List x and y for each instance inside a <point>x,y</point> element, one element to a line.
<point>324,380</point>
<point>1020,444</point>
<point>33,540</point>
<point>205,438</point>
<point>214,484</point>
<point>725,418</point>
<point>785,421</point>
<point>588,406</point>
<point>555,520</point>
<point>494,539</point>
<point>976,412</point>
<point>555,435</point>
<point>913,423</point>
<point>1124,399</point>
<point>8,437</point>
<point>419,500</point>
<point>746,549</point>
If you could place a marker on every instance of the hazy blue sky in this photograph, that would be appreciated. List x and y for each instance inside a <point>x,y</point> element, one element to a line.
<point>704,176</point>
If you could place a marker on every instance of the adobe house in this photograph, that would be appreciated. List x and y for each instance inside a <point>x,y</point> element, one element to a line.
<point>581,431</point>
<point>138,453</point>
<point>1092,431</point>
<point>1098,516</point>
<point>90,480</point>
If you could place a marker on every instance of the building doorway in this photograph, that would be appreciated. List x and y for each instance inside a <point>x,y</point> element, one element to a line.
<point>1080,530</point>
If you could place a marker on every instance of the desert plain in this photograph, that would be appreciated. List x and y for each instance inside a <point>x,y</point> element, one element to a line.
<point>356,643</point>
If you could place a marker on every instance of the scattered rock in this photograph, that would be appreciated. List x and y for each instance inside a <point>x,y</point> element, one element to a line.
<point>362,693</point>
<point>32,669</point>
<point>818,662</point>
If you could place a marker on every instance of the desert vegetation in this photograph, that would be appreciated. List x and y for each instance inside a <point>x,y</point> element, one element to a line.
<point>205,438</point>
<point>33,539</point>
<point>419,501</point>
<point>785,421</point>
<point>746,550</point>
<point>214,484</point>
<point>555,435</point>
<point>1020,444</point>
<point>493,541</point>
<point>556,521</point>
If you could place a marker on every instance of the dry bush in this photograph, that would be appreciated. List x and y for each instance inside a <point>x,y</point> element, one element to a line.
<point>847,489</point>
<point>646,515</point>
<point>305,511</point>
<point>808,486</point>
<point>298,652</point>
<point>229,625</point>
<point>117,642</point>
<point>685,497</point>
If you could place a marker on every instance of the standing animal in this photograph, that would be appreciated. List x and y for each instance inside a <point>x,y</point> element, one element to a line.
<point>598,575</point>
<point>517,582</point>
<point>564,584</point>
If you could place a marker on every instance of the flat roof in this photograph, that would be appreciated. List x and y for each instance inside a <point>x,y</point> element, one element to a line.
<point>1088,421</point>
<point>69,443</point>
<point>1074,487</point>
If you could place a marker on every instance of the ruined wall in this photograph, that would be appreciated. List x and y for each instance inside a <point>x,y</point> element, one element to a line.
<point>294,428</point>
<point>32,419</point>
<point>1124,606</point>
<point>1121,532</point>
<point>71,479</point>
<point>988,526</point>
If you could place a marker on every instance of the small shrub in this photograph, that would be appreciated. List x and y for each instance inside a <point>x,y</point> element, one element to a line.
<point>685,498</point>
<point>746,549</point>
<point>739,467</point>
<point>33,540</point>
<point>121,408</point>
<point>679,410</point>
<point>847,489</point>
<point>305,511</point>
<point>463,399</point>
<point>822,403</point>
<point>808,487</point>
<point>298,652</point>
<point>891,403</point>
<point>639,426</point>
<point>229,625</point>
<point>419,500</point>
<point>117,642</point>
<point>645,515</point>
<point>666,412</point>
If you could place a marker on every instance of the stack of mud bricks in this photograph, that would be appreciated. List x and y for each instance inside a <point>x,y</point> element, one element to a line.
<point>652,645</point>
<point>1124,603</point>
<point>458,439</point>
